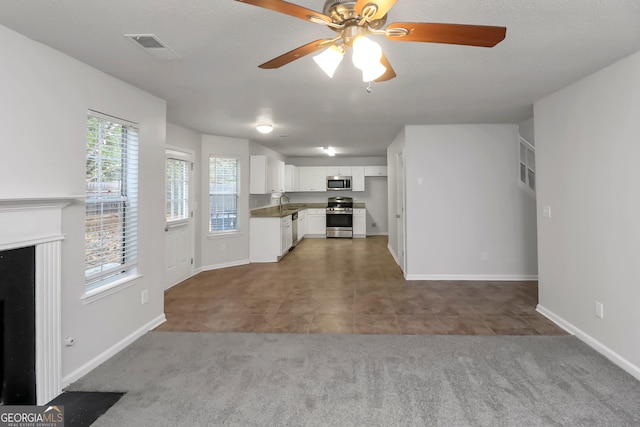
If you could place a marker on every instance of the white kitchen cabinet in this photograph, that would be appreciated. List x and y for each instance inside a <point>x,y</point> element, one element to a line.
<point>312,178</point>
<point>359,223</point>
<point>338,170</point>
<point>286,234</point>
<point>291,178</point>
<point>357,178</point>
<point>302,224</point>
<point>266,175</point>
<point>375,171</point>
<point>316,223</point>
<point>265,239</point>
<point>269,238</point>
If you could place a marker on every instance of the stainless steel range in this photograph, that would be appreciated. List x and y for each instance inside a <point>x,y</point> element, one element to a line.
<point>340,217</point>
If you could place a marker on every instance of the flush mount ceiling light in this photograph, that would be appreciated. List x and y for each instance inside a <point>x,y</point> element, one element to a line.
<point>264,128</point>
<point>329,150</point>
<point>354,19</point>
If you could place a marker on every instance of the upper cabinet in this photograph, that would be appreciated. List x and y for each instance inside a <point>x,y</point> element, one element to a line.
<point>312,178</point>
<point>291,178</point>
<point>266,175</point>
<point>339,170</point>
<point>357,178</point>
<point>375,171</point>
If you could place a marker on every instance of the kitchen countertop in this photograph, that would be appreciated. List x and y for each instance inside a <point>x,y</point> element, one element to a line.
<point>289,208</point>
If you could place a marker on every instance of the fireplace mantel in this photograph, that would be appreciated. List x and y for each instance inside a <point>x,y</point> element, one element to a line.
<point>37,221</point>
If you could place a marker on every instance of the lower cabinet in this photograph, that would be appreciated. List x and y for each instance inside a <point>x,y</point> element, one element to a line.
<point>269,238</point>
<point>302,224</point>
<point>316,223</point>
<point>286,234</point>
<point>359,223</point>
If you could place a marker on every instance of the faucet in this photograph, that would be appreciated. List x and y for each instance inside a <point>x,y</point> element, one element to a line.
<point>280,202</point>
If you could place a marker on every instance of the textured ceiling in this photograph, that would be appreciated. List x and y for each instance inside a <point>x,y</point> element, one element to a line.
<point>216,87</point>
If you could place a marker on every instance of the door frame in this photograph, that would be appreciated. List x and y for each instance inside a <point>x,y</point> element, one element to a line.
<point>187,155</point>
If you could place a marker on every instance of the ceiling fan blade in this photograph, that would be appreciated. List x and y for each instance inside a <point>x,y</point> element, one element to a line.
<point>382,7</point>
<point>289,9</point>
<point>469,35</point>
<point>389,74</point>
<point>296,54</point>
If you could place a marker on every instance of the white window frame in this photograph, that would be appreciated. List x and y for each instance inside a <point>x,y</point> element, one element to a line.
<point>229,191</point>
<point>527,167</point>
<point>174,194</point>
<point>122,195</point>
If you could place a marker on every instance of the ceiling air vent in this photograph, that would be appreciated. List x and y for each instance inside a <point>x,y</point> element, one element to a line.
<point>151,44</point>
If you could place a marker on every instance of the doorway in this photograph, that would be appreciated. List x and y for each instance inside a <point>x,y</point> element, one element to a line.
<point>179,229</point>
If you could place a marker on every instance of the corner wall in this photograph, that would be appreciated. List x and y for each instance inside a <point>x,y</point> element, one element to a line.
<point>231,249</point>
<point>587,155</point>
<point>463,201</point>
<point>44,103</point>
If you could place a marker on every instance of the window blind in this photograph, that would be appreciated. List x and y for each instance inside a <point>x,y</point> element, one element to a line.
<point>111,222</point>
<point>177,200</point>
<point>223,194</point>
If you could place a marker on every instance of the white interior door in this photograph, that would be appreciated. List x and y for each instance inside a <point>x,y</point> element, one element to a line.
<point>400,213</point>
<point>179,241</point>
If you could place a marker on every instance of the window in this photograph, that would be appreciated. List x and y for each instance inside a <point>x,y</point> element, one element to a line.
<point>224,187</point>
<point>528,166</point>
<point>111,222</point>
<point>177,202</point>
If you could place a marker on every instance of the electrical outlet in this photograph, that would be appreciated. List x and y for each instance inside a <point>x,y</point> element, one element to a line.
<point>485,256</point>
<point>374,225</point>
<point>546,211</point>
<point>599,310</point>
<point>144,297</point>
<point>223,247</point>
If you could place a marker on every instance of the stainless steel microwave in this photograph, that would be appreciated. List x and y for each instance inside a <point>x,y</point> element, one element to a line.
<point>338,183</point>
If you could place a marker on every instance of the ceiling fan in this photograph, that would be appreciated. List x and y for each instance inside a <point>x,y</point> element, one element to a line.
<point>353,20</point>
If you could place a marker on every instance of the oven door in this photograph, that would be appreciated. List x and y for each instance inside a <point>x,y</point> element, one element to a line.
<point>339,224</point>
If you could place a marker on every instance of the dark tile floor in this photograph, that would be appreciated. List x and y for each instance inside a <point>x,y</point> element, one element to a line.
<point>349,286</point>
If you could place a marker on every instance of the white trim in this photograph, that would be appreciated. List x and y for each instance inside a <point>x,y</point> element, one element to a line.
<point>110,289</point>
<point>393,254</point>
<point>178,153</point>
<point>223,265</point>
<point>478,277</point>
<point>224,235</point>
<point>112,351</point>
<point>34,242</point>
<point>379,233</point>
<point>614,357</point>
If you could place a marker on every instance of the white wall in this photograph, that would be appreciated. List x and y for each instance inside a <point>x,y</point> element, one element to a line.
<point>463,199</point>
<point>233,249</point>
<point>587,155</point>
<point>186,139</point>
<point>44,103</point>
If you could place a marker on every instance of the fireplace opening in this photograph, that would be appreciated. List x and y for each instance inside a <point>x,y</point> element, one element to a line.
<point>18,326</point>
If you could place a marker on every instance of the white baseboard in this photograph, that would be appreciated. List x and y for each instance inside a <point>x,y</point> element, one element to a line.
<point>379,233</point>
<point>614,357</point>
<point>224,265</point>
<point>393,254</point>
<point>475,277</point>
<point>112,351</point>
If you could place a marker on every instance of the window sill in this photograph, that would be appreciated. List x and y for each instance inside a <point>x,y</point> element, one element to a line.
<point>227,235</point>
<point>110,289</point>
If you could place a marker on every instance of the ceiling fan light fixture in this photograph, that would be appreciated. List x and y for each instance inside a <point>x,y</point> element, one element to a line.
<point>329,59</point>
<point>372,71</point>
<point>365,52</point>
<point>264,128</point>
